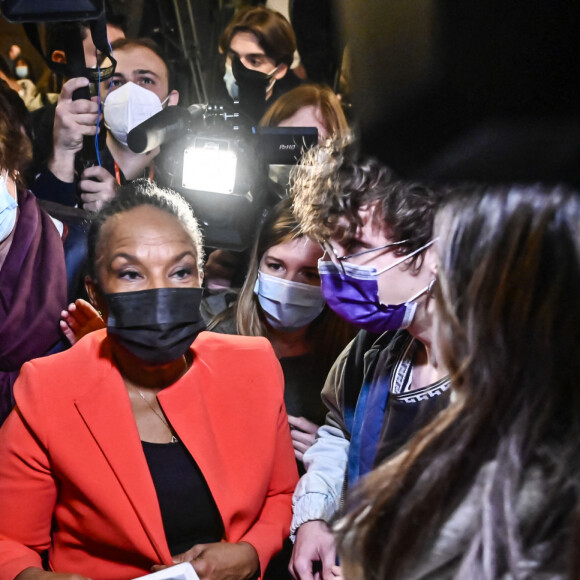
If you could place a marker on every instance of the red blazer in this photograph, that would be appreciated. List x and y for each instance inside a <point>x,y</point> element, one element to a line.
<point>73,475</point>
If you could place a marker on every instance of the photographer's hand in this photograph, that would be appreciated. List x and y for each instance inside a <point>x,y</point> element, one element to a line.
<point>72,121</point>
<point>97,187</point>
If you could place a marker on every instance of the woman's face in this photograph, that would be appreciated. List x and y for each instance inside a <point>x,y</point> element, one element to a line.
<point>145,248</point>
<point>296,261</point>
<point>309,116</point>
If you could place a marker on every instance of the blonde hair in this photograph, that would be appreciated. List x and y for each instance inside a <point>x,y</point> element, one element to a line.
<point>319,96</point>
<point>331,331</point>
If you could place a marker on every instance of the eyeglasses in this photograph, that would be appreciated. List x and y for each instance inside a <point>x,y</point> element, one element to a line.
<point>338,260</point>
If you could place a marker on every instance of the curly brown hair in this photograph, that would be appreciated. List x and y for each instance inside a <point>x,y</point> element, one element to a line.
<point>326,187</point>
<point>15,146</point>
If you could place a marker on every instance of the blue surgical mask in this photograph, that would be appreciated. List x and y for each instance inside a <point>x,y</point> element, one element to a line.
<point>8,210</point>
<point>231,84</point>
<point>21,72</point>
<point>288,305</point>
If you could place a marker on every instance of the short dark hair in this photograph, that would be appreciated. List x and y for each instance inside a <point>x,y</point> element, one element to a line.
<point>325,190</point>
<point>137,193</point>
<point>122,43</point>
<point>274,33</point>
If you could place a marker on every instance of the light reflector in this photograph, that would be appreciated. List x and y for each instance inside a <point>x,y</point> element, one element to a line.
<point>210,165</point>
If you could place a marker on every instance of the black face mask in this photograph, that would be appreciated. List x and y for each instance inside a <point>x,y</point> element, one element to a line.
<point>252,86</point>
<point>157,325</point>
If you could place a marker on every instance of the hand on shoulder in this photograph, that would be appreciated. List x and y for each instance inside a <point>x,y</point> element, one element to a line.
<point>79,319</point>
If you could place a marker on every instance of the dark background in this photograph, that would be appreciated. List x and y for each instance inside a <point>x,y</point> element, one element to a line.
<point>441,89</point>
<point>484,90</point>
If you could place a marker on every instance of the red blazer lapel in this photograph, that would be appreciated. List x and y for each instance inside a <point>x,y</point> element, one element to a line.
<point>219,417</point>
<point>199,427</point>
<point>106,411</point>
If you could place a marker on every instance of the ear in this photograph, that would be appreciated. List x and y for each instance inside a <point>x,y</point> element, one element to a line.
<point>281,72</point>
<point>58,56</point>
<point>95,296</point>
<point>431,260</point>
<point>173,98</point>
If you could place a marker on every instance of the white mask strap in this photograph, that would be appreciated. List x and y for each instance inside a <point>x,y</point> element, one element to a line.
<point>272,79</point>
<point>426,290</point>
<point>404,258</point>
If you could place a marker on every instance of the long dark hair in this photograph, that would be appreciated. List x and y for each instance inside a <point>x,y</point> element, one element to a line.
<point>508,330</point>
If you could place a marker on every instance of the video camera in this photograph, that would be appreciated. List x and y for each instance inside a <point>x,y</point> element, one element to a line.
<point>215,158</point>
<point>219,163</point>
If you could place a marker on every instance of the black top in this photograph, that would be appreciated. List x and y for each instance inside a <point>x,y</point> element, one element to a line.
<point>406,415</point>
<point>304,375</point>
<point>387,360</point>
<point>408,410</point>
<point>304,378</point>
<point>190,515</point>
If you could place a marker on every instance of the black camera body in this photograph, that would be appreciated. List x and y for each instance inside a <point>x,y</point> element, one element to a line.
<point>51,10</point>
<point>220,165</point>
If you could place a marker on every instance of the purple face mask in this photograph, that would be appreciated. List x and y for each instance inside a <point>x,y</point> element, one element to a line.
<point>354,295</point>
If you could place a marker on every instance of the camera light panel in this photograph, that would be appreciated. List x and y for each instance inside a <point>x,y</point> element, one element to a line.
<point>209,165</point>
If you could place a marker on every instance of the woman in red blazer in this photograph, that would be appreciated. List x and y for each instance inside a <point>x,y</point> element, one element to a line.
<point>149,442</point>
